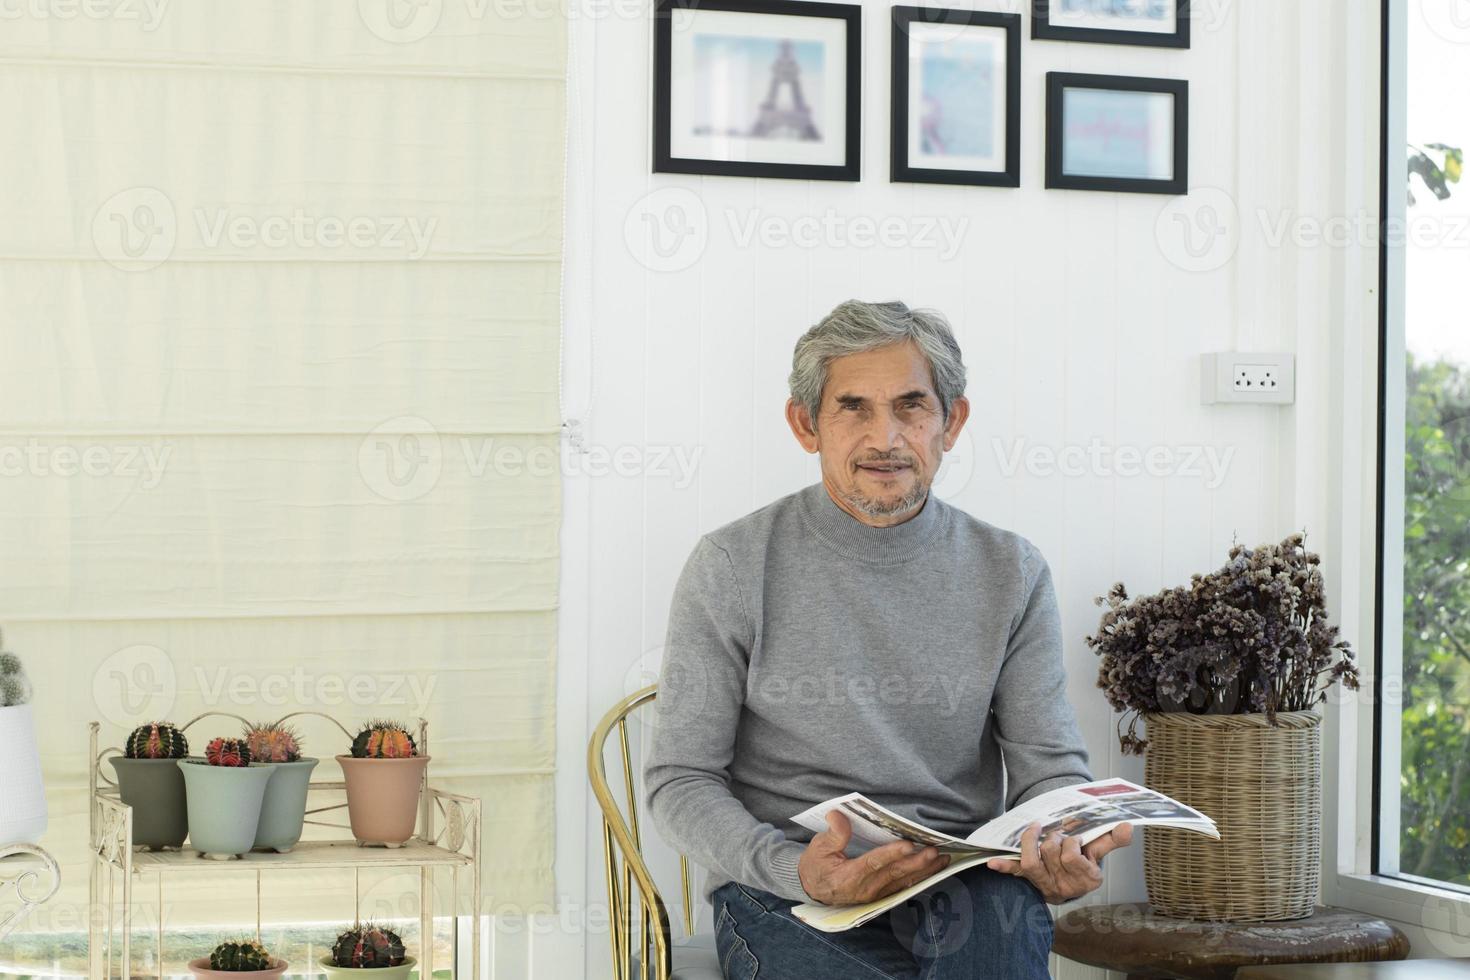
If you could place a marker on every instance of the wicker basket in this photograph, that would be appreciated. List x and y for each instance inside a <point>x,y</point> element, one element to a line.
<point>1262,785</point>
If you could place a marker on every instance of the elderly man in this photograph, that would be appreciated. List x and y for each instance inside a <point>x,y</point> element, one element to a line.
<point>861,634</point>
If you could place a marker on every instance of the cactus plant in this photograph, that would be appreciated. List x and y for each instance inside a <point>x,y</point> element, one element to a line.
<point>149,781</point>
<point>226,794</point>
<point>156,740</point>
<point>384,776</point>
<point>270,741</point>
<point>14,687</point>
<point>227,752</point>
<point>240,956</point>
<point>384,740</point>
<point>283,812</point>
<point>367,947</point>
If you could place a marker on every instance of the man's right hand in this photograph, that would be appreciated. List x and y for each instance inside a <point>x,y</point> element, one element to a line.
<point>831,877</point>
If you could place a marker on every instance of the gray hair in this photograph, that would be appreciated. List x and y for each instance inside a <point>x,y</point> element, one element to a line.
<point>855,327</point>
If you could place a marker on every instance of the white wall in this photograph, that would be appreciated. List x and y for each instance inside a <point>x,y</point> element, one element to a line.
<point>1078,314</point>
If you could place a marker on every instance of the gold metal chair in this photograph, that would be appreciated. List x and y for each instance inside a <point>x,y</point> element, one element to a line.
<point>641,912</point>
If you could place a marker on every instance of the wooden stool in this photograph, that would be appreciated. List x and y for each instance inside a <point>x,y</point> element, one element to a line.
<point>1145,946</point>
<point>1438,969</point>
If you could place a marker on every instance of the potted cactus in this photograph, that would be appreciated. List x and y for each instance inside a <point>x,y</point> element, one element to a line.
<point>367,951</point>
<point>22,793</point>
<point>238,959</point>
<point>283,811</point>
<point>149,781</point>
<point>225,791</point>
<point>384,774</point>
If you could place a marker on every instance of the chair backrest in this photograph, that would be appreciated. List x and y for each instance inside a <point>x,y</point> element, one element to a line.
<point>623,863</point>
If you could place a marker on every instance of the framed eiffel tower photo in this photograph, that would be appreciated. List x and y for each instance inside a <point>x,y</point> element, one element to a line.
<point>757,88</point>
<point>956,97</point>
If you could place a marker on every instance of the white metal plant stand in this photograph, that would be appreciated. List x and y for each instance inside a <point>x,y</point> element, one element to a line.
<point>454,845</point>
<point>20,868</point>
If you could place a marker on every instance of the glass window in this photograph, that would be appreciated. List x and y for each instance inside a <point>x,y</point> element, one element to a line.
<point>1423,771</point>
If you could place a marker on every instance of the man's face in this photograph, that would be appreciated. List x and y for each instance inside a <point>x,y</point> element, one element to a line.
<point>881,432</point>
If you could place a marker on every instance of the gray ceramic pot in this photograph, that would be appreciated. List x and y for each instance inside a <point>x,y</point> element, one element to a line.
<point>224,805</point>
<point>154,788</point>
<point>284,809</point>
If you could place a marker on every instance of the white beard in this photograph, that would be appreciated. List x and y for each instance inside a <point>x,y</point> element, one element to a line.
<point>889,508</point>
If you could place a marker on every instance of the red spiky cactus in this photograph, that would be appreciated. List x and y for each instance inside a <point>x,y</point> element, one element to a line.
<point>228,752</point>
<point>367,947</point>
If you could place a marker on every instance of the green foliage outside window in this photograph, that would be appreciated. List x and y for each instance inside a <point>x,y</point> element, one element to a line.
<point>1435,780</point>
<point>1434,837</point>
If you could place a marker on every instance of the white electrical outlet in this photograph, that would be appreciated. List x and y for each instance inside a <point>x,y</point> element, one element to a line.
<point>1247,378</point>
<point>1255,377</point>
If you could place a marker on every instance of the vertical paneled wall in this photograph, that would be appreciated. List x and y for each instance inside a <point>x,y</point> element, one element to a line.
<point>1081,315</point>
<point>1080,318</point>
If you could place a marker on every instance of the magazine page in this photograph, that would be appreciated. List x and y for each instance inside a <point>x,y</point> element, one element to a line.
<point>874,825</point>
<point>1086,811</point>
<point>1089,810</point>
<point>837,918</point>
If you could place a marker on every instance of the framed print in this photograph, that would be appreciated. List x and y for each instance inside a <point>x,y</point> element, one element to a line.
<point>1158,23</point>
<point>1117,133</point>
<point>956,97</point>
<point>757,88</point>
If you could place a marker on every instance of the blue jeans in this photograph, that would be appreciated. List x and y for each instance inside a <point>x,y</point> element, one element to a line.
<point>975,925</point>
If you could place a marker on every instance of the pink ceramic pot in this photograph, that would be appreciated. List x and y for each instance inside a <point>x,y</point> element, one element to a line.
<point>200,969</point>
<point>383,797</point>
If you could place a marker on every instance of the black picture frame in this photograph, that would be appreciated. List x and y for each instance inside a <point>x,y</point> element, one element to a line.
<point>900,168</point>
<point>1056,85</point>
<point>1043,29</point>
<point>663,159</point>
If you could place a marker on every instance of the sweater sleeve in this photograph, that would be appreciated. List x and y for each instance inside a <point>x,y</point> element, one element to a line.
<point>1035,725</point>
<point>700,697</point>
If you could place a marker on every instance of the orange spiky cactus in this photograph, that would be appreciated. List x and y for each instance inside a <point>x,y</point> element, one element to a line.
<point>272,742</point>
<point>384,740</point>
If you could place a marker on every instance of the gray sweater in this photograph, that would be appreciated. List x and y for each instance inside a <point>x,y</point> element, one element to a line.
<point>811,655</point>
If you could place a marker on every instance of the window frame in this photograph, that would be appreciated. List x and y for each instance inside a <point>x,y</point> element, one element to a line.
<point>1365,493</point>
<point>1389,499</point>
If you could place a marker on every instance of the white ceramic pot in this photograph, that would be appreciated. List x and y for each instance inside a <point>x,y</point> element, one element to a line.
<point>22,794</point>
<point>399,972</point>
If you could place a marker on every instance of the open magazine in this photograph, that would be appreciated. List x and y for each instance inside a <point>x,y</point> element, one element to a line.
<point>1085,811</point>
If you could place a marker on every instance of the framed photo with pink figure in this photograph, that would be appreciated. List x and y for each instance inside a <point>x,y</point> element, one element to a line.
<point>956,97</point>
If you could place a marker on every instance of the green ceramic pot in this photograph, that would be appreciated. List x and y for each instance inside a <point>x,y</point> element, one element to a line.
<point>154,788</point>
<point>283,811</point>
<point>399,972</point>
<point>224,805</point>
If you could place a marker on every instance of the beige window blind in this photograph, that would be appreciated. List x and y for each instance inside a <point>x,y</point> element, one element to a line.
<point>279,303</point>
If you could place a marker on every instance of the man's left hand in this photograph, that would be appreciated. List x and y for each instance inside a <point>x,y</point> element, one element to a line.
<point>1061,868</point>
